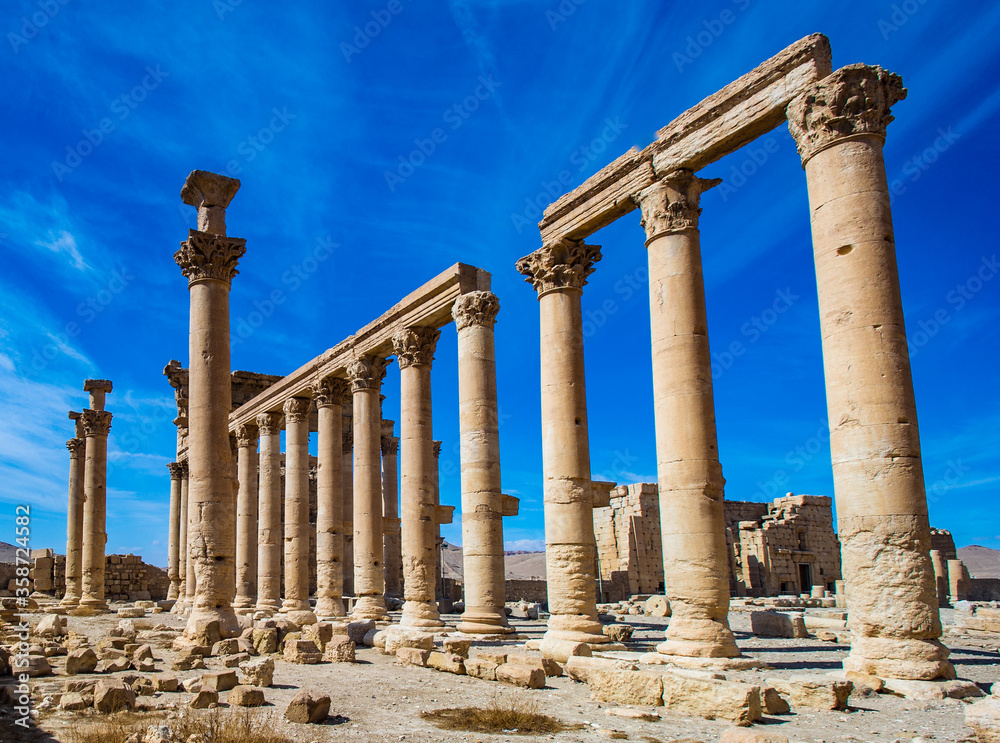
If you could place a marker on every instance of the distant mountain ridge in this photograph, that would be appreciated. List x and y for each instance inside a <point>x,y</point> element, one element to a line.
<point>518,564</point>
<point>982,562</point>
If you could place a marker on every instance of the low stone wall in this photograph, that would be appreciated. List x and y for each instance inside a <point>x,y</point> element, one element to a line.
<point>126,577</point>
<point>984,589</point>
<point>534,591</point>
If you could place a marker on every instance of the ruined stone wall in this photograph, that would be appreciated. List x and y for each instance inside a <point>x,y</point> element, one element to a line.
<point>535,591</point>
<point>942,541</point>
<point>126,577</point>
<point>628,542</point>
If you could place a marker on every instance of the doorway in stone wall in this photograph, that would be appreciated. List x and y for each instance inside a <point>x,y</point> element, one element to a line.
<point>805,577</point>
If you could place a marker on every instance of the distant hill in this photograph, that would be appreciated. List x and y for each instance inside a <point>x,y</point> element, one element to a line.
<point>982,562</point>
<point>518,565</point>
<point>8,552</point>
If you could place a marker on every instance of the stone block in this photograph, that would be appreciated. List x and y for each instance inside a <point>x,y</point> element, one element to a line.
<point>401,637</point>
<point>931,690</point>
<point>112,695</point>
<point>578,667</point>
<point>229,646</point>
<point>562,650</point>
<point>413,656</point>
<point>984,719</point>
<point>481,669</point>
<point>357,630</point>
<point>813,692</point>
<point>165,682</point>
<point>246,696</point>
<point>771,701</point>
<point>81,661</point>
<point>745,735</point>
<point>446,662</point>
<point>308,707</point>
<point>233,661</point>
<point>131,612</point>
<point>204,699</point>
<point>188,663</point>
<point>457,646</point>
<point>657,606</point>
<point>640,688</point>
<point>619,632</point>
<point>520,675</point>
<point>339,649</point>
<point>142,652</point>
<point>75,701</point>
<point>722,700</point>
<point>50,626</point>
<point>777,624</point>
<point>219,680</point>
<point>265,640</point>
<point>302,651</point>
<point>257,672</point>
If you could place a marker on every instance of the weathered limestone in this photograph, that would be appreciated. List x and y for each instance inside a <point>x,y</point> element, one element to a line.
<point>269,533</point>
<point>173,545</point>
<point>246,517</point>
<point>839,126</point>
<point>347,472</point>
<point>414,349</point>
<point>392,556</point>
<point>74,519</point>
<point>208,259</point>
<point>475,315</point>
<point>366,374</point>
<point>296,603</point>
<point>558,271</point>
<point>438,539</point>
<point>182,545</point>
<point>329,395</point>
<point>940,565</point>
<point>96,425</point>
<point>692,524</point>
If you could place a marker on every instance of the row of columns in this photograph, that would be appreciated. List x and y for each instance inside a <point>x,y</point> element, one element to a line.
<point>839,127</point>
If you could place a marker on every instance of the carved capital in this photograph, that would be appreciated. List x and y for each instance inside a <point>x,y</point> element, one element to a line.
<point>297,409</point>
<point>99,385</point>
<point>185,469</point>
<point>852,101</point>
<point>176,470</point>
<point>206,256</point>
<point>476,308</point>
<point>348,436</point>
<point>671,204</point>
<point>560,264</point>
<point>77,448</point>
<point>436,446</point>
<point>415,346</point>
<point>269,424</point>
<point>96,422</point>
<point>390,446</point>
<point>367,372</point>
<point>331,391</point>
<point>247,435</point>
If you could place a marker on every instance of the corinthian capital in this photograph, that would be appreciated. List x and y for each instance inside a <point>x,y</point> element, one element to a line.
<point>297,409</point>
<point>176,470</point>
<point>367,372</point>
<point>476,308</point>
<point>331,391</point>
<point>560,264</point>
<point>76,448</point>
<point>415,346</point>
<point>208,256</point>
<point>853,101</point>
<point>269,424</point>
<point>96,422</point>
<point>671,204</point>
<point>247,435</point>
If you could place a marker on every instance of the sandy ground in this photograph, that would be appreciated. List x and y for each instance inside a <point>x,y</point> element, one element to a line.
<point>379,699</point>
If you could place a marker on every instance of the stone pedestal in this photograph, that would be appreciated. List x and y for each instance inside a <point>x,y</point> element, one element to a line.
<point>414,348</point>
<point>74,522</point>
<point>558,272</point>
<point>246,517</point>
<point>173,543</point>
<point>366,375</point>
<point>270,537</point>
<point>208,259</point>
<point>692,523</point>
<point>96,425</point>
<point>329,396</point>
<point>475,315</point>
<point>296,603</point>
<point>839,127</point>
<point>392,550</point>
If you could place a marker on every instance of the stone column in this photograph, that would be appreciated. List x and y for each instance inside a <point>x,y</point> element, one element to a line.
<point>957,580</point>
<point>74,522</point>
<point>482,502</point>
<point>96,425</point>
<point>839,127</point>
<point>208,259</point>
<point>414,349</point>
<point>182,544</point>
<point>366,375</point>
<point>692,523</point>
<point>269,533</point>
<point>189,578</point>
<point>558,272</point>
<point>940,565</point>
<point>347,467</point>
<point>296,603</point>
<point>173,544</point>
<point>391,546</point>
<point>246,517</point>
<point>438,540</point>
<point>329,396</point>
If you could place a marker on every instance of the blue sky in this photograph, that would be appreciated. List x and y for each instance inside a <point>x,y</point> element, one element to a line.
<point>326,114</point>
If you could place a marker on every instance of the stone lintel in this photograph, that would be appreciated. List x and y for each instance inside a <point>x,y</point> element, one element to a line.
<point>602,492</point>
<point>97,385</point>
<point>511,504</point>
<point>444,514</point>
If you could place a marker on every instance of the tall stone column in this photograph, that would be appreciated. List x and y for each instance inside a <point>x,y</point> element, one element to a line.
<point>246,517</point>
<point>347,468</point>
<point>208,259</point>
<point>182,548</point>
<point>438,540</point>
<point>839,126</point>
<point>96,425</point>
<point>296,603</point>
<point>74,522</point>
<point>173,543</point>
<point>475,315</point>
<point>692,522</point>
<point>189,578</point>
<point>414,349</point>
<point>558,271</point>
<point>366,375</point>
<point>391,546</point>
<point>269,533</point>
<point>329,396</point>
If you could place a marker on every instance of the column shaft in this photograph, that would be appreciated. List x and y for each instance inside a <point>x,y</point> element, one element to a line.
<point>296,603</point>
<point>173,544</point>
<point>330,499</point>
<point>74,522</point>
<point>95,537</point>
<point>347,466</point>
<point>269,531</point>
<point>391,546</point>
<point>246,518</point>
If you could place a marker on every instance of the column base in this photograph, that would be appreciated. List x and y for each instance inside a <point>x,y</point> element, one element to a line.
<point>330,607</point>
<point>98,606</point>
<point>300,617</point>
<point>695,634</point>
<point>173,592</point>
<point>420,614</point>
<point>575,628</point>
<point>484,621</point>
<point>271,607</point>
<point>900,658</point>
<point>208,626</point>
<point>370,607</point>
<point>244,602</point>
<point>70,602</point>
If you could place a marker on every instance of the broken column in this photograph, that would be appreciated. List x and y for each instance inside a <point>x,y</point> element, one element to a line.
<point>208,259</point>
<point>475,315</point>
<point>96,425</point>
<point>414,349</point>
<point>392,546</point>
<point>839,126</point>
<point>366,374</point>
<point>173,543</point>
<point>246,517</point>
<point>296,603</point>
<point>74,516</point>
<point>558,271</point>
<point>329,395</point>
<point>270,537</point>
<point>692,523</point>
